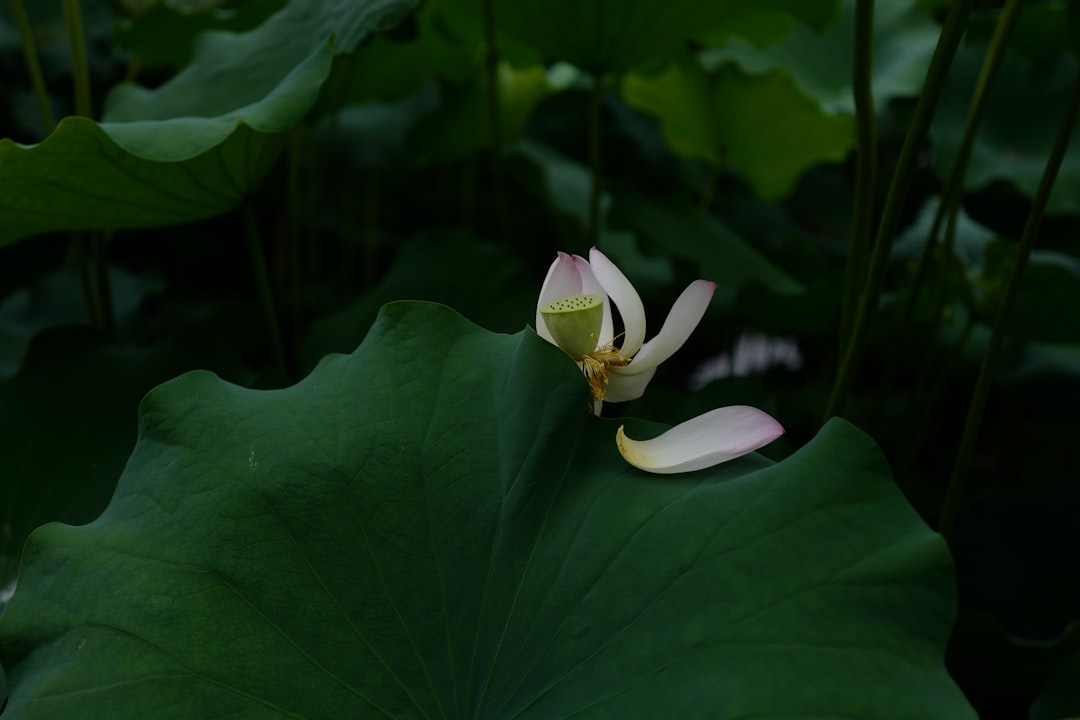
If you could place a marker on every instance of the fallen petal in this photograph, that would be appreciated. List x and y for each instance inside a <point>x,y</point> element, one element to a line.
<point>626,299</point>
<point>684,316</point>
<point>710,439</point>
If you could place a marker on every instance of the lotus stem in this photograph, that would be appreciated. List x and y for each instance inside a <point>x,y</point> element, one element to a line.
<point>988,369</point>
<point>866,166</point>
<point>948,42</point>
<point>80,68</point>
<point>949,204</point>
<point>33,65</point>
<point>266,295</point>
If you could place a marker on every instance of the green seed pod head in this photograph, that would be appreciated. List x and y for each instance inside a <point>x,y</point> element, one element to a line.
<point>574,322</point>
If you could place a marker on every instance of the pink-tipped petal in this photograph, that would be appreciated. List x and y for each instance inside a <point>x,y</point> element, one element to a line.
<point>626,299</point>
<point>685,315</point>
<point>710,439</point>
<point>563,280</point>
<point>623,386</point>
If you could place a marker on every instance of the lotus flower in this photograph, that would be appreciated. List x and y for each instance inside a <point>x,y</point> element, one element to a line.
<point>574,313</point>
<point>616,372</point>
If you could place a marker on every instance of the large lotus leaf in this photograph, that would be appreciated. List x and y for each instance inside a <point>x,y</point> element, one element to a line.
<point>451,267</point>
<point>197,145</point>
<point>435,526</point>
<point>1023,113</point>
<point>66,423</point>
<point>616,35</point>
<point>760,125</point>
<point>904,41</point>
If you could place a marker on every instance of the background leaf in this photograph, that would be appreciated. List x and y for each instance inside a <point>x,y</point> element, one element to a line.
<point>820,63</point>
<point>197,145</point>
<point>761,125</point>
<point>677,229</point>
<point>1022,117</point>
<point>435,526</point>
<point>163,34</point>
<point>1060,699</point>
<point>610,36</point>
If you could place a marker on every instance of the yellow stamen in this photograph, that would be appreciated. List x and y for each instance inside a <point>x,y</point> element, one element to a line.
<point>595,366</point>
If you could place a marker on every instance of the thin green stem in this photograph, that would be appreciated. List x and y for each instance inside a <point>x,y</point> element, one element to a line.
<point>294,209</point>
<point>89,249</point>
<point>596,98</point>
<point>33,65</point>
<point>262,282</point>
<point>709,190</point>
<point>949,205</point>
<point>951,34</point>
<point>928,395</point>
<point>997,338</point>
<point>467,198</point>
<point>80,68</point>
<point>866,166</point>
<point>371,225</point>
<point>491,66</point>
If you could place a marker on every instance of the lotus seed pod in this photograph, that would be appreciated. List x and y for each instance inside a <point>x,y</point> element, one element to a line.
<point>574,322</point>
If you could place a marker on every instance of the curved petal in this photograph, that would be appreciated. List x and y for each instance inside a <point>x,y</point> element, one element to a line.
<point>623,386</point>
<point>710,439</point>
<point>563,280</point>
<point>685,315</point>
<point>626,299</point>
<point>591,286</point>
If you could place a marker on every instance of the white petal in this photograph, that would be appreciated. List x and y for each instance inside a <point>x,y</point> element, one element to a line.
<point>626,300</point>
<point>623,386</point>
<point>685,315</point>
<point>710,439</point>
<point>591,286</point>
<point>562,280</point>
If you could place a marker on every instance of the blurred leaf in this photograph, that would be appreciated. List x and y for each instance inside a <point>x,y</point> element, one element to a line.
<point>450,267</point>
<point>463,20</point>
<point>163,34</point>
<point>759,125</point>
<point>1023,114</point>
<point>435,526</point>
<point>230,71</point>
<point>1072,23</point>
<point>1060,697</point>
<point>387,69</point>
<point>904,41</point>
<point>969,242</point>
<point>763,24</point>
<point>1041,29</point>
<point>194,147</point>
<point>677,229</point>
<point>372,135</point>
<point>1050,283</point>
<point>607,36</point>
<point>565,186</point>
<point>461,126</point>
<point>57,299</point>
